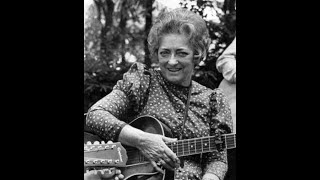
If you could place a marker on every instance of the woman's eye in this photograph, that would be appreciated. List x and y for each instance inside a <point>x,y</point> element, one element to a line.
<point>182,54</point>
<point>164,53</point>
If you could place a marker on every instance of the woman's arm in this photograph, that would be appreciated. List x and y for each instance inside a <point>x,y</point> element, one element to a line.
<point>110,114</point>
<point>108,119</point>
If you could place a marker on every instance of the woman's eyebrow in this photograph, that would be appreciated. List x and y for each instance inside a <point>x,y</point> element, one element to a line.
<point>179,48</point>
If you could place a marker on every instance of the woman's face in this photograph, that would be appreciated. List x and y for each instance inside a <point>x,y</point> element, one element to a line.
<point>176,59</point>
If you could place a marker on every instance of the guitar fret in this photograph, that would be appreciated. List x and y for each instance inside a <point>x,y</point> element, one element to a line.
<point>202,144</point>
<point>213,144</point>
<point>192,146</point>
<point>175,148</point>
<point>205,144</point>
<point>198,145</point>
<point>180,148</point>
<point>185,148</point>
<point>188,146</point>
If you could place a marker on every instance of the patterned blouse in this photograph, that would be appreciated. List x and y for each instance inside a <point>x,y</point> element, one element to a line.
<point>147,92</point>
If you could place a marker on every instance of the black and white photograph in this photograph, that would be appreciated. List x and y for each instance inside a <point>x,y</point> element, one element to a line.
<point>159,90</point>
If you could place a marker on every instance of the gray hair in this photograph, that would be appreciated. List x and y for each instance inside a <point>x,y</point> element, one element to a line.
<point>180,21</point>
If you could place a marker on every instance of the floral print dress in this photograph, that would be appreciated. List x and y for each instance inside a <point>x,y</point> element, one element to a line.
<point>147,92</point>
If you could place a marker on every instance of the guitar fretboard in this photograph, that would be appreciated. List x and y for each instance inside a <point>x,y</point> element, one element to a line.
<point>190,146</point>
<point>202,145</point>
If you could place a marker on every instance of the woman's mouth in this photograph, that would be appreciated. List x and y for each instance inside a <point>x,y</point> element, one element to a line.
<point>174,69</point>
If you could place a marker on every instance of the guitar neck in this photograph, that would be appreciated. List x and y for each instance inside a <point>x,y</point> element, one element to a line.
<point>189,147</point>
<point>202,145</point>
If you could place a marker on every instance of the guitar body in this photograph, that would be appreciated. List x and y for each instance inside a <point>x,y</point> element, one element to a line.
<point>143,170</point>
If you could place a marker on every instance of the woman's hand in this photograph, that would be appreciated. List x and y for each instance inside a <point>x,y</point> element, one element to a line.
<point>210,176</point>
<point>104,174</point>
<point>154,148</point>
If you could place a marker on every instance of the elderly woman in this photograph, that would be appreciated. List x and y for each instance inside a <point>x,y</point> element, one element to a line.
<point>178,40</point>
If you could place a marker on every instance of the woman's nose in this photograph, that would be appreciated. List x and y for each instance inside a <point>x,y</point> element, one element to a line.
<point>173,60</point>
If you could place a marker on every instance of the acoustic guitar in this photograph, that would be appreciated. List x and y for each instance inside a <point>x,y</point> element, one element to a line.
<point>136,165</point>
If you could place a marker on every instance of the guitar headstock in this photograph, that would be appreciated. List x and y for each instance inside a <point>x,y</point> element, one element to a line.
<point>105,155</point>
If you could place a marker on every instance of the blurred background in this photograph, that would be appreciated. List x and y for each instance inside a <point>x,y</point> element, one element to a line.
<point>115,33</point>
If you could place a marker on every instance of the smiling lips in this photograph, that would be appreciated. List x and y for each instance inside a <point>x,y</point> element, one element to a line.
<point>174,69</point>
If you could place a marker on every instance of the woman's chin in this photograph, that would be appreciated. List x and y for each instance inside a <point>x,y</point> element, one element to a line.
<point>173,80</point>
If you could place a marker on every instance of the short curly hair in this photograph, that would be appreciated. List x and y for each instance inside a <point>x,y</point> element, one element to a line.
<point>180,21</point>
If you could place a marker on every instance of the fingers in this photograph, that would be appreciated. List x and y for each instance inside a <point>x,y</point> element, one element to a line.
<point>167,139</point>
<point>154,164</point>
<point>121,176</point>
<point>168,162</point>
<point>170,157</point>
<point>118,174</point>
<point>167,165</point>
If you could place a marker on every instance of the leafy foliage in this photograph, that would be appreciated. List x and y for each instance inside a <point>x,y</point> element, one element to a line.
<point>222,31</point>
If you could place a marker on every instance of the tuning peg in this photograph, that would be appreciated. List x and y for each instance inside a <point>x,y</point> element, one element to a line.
<point>89,143</point>
<point>87,161</point>
<point>96,143</point>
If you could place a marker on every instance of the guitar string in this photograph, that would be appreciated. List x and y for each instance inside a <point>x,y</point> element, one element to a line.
<point>143,158</point>
<point>187,142</point>
<point>228,137</point>
<point>183,145</point>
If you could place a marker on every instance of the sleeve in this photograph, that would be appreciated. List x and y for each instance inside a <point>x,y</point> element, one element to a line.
<point>127,97</point>
<point>226,63</point>
<point>216,162</point>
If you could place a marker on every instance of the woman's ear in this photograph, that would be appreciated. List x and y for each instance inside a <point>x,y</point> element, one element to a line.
<point>196,59</point>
